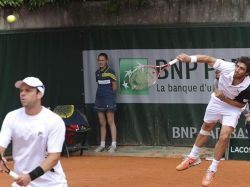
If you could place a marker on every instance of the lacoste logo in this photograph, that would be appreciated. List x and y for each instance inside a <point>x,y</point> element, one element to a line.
<point>40,133</point>
<point>245,100</point>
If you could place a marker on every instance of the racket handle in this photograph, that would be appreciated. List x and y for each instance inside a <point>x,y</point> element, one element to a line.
<point>13,175</point>
<point>173,62</point>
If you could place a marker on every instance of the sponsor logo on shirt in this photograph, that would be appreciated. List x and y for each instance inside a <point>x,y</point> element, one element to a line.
<point>40,133</point>
<point>245,100</point>
<point>104,82</point>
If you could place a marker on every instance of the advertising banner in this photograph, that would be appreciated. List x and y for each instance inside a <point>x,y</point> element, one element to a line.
<point>239,149</point>
<point>182,83</point>
<point>170,112</point>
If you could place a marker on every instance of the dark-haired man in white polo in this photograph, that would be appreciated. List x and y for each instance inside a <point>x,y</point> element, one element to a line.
<point>224,106</point>
<point>37,136</point>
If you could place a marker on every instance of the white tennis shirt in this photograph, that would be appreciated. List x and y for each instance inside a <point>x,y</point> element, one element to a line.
<point>226,78</point>
<point>32,138</point>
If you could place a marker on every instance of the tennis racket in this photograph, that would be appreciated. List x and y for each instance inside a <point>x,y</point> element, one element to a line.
<point>64,111</point>
<point>145,76</point>
<point>6,169</point>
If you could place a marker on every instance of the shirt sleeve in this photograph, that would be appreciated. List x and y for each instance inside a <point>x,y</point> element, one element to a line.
<point>244,96</point>
<point>56,136</point>
<point>6,132</point>
<point>113,75</point>
<point>224,66</point>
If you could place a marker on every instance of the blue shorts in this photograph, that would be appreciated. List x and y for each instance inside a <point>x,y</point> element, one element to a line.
<point>105,104</point>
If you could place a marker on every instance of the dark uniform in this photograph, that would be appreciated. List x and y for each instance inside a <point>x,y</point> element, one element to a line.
<point>105,96</point>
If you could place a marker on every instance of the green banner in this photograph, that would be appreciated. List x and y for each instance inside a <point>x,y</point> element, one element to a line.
<point>171,113</point>
<point>52,55</point>
<point>239,149</point>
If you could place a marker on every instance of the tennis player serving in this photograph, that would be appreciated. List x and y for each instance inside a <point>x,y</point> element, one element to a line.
<point>37,136</point>
<point>225,106</point>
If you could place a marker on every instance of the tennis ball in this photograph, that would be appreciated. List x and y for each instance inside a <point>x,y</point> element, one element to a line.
<point>11,18</point>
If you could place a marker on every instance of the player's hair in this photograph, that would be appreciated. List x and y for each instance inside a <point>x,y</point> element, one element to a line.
<point>104,55</point>
<point>245,60</point>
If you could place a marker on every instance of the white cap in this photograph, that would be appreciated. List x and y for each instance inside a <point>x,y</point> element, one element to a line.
<point>33,82</point>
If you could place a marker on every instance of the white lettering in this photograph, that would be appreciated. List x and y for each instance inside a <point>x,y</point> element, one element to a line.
<point>240,149</point>
<point>103,81</point>
<point>193,131</point>
<point>231,150</point>
<point>240,133</point>
<point>184,132</point>
<point>189,131</point>
<point>176,132</point>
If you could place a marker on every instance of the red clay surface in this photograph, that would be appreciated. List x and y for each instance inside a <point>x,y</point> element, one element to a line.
<point>114,171</point>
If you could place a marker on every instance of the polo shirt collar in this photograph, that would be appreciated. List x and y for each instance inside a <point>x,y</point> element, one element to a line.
<point>104,69</point>
<point>243,85</point>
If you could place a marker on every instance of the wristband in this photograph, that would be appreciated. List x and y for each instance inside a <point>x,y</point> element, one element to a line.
<point>36,173</point>
<point>193,59</point>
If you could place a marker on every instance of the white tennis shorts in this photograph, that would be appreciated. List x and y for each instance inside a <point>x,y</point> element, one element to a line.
<point>218,110</point>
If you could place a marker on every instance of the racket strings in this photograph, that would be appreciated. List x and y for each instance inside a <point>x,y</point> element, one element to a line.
<point>64,111</point>
<point>4,167</point>
<point>143,77</point>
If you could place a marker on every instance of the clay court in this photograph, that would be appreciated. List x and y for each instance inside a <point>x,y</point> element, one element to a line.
<point>112,171</point>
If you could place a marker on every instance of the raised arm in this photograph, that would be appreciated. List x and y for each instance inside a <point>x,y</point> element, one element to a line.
<point>196,58</point>
<point>221,96</point>
<point>233,102</point>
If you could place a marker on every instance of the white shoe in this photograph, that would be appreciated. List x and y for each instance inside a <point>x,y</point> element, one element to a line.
<point>188,162</point>
<point>112,149</point>
<point>208,178</point>
<point>99,149</point>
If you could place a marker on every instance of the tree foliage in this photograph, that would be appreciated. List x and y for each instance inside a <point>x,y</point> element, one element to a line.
<point>29,3</point>
<point>114,5</point>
